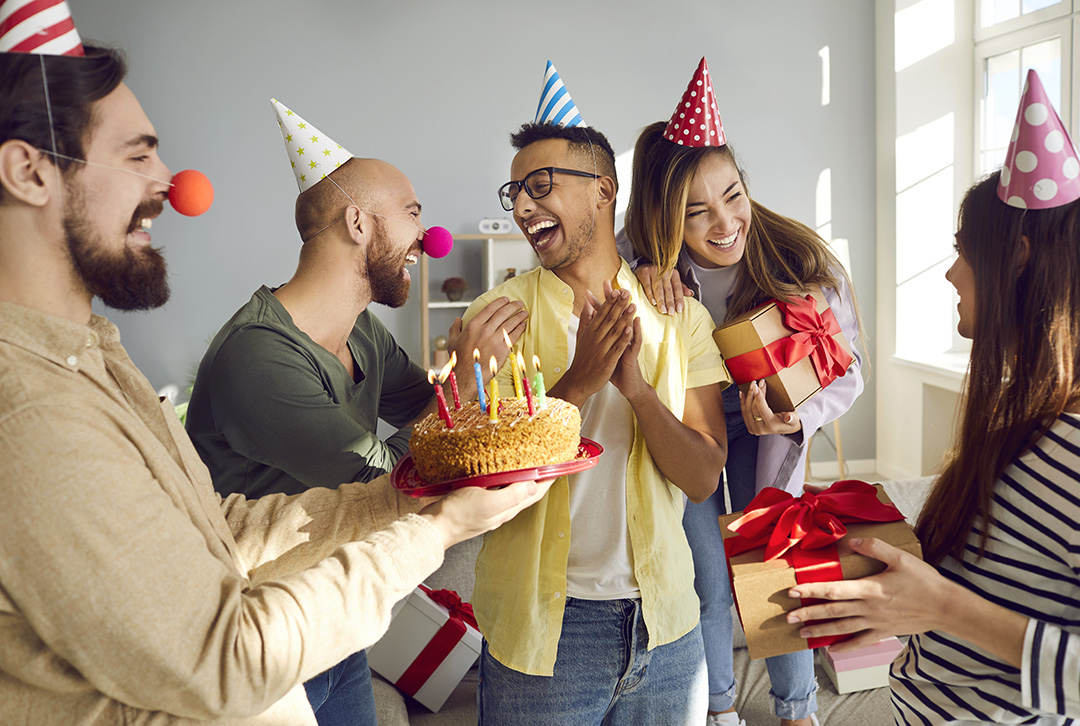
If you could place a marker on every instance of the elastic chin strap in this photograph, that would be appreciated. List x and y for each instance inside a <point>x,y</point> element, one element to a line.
<point>52,128</point>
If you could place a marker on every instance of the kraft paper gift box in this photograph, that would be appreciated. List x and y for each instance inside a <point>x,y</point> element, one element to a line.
<point>431,644</point>
<point>761,579</point>
<point>862,669</point>
<point>797,347</point>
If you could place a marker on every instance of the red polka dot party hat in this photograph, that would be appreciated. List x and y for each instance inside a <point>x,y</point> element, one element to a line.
<point>696,121</point>
<point>1041,168</point>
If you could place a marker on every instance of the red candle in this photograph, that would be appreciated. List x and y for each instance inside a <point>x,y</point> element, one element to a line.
<point>444,412</point>
<point>453,381</point>
<point>525,385</point>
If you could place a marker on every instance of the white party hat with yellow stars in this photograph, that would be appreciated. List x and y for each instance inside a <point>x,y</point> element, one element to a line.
<point>312,153</point>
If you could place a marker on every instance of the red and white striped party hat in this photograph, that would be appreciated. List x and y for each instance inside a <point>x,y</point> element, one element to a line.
<point>42,27</point>
<point>696,121</point>
<point>1041,168</point>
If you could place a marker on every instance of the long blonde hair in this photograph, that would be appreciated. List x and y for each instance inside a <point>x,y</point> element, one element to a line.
<point>783,257</point>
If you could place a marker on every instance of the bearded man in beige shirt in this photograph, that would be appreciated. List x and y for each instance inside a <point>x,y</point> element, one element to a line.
<point>131,592</point>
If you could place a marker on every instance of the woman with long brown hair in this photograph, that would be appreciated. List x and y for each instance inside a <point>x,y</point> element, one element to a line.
<point>690,213</point>
<point>996,604</point>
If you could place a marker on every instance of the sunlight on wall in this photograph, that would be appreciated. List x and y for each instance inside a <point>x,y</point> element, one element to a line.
<point>823,205</point>
<point>922,30</point>
<point>825,89</point>
<point>924,228</point>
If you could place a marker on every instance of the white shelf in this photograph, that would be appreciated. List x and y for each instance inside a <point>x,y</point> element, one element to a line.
<point>497,252</point>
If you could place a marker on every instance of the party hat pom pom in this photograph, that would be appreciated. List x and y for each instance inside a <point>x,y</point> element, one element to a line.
<point>191,193</point>
<point>438,242</point>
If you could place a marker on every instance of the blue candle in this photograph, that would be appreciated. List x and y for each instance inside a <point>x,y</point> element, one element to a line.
<point>479,379</point>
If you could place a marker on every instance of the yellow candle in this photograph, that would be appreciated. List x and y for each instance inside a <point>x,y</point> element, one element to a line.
<point>493,393</point>
<point>518,390</point>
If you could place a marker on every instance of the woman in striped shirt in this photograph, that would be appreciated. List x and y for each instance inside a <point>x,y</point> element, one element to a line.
<point>996,605</point>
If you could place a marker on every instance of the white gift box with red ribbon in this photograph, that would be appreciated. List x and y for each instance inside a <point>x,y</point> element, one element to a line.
<point>431,644</point>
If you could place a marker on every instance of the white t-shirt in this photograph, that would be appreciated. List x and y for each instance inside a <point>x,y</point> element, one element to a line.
<point>717,284</point>
<point>600,565</point>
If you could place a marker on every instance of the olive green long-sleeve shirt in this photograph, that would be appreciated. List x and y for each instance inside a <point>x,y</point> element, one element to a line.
<point>272,411</point>
<point>130,591</point>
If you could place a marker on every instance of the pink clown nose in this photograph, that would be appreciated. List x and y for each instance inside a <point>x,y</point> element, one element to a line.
<point>438,242</point>
<point>191,193</point>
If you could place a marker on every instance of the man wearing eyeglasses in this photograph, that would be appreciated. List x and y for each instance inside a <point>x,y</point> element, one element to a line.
<point>290,392</point>
<point>587,602</point>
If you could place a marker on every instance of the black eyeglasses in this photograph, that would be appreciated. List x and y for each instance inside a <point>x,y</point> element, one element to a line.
<point>537,184</point>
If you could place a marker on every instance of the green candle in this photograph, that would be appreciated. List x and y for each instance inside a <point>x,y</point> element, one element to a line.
<point>538,385</point>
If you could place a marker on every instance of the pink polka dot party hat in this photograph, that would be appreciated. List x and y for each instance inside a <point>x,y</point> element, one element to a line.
<point>696,121</point>
<point>1041,168</point>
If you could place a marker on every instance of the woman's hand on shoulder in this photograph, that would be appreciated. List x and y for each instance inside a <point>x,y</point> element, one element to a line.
<point>760,419</point>
<point>665,292</point>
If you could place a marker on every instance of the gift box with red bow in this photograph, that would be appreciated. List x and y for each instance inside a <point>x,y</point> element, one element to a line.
<point>430,646</point>
<point>797,347</point>
<point>780,541</point>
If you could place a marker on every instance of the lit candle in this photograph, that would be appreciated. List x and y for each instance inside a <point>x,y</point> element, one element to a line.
<point>479,379</point>
<point>453,380</point>
<point>513,366</point>
<point>444,412</point>
<point>525,384</point>
<point>493,397</point>
<point>538,384</point>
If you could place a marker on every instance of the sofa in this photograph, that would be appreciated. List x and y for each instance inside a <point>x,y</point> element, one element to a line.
<point>457,573</point>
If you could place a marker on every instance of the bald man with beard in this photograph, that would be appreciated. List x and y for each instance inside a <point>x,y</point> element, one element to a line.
<point>291,390</point>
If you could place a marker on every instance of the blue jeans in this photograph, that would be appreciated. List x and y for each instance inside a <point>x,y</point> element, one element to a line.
<point>794,690</point>
<point>603,675</point>
<point>342,696</point>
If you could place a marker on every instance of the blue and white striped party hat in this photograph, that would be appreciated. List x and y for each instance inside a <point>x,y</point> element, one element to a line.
<point>556,106</point>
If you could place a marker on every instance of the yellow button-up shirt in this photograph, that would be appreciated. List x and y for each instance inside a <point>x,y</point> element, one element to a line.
<point>521,571</point>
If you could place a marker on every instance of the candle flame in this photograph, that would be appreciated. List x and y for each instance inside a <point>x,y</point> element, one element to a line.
<point>476,354</point>
<point>431,377</point>
<point>445,372</point>
<point>494,366</point>
<point>506,339</point>
<point>536,363</point>
<point>453,359</point>
<point>521,361</point>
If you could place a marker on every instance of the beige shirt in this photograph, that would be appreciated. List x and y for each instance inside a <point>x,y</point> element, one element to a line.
<point>130,592</point>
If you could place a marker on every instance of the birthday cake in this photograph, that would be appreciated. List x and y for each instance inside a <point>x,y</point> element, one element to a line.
<point>478,446</point>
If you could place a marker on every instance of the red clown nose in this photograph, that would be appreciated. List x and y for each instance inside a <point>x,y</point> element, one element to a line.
<point>191,193</point>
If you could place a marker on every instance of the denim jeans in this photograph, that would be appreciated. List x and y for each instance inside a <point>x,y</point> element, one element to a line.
<point>603,675</point>
<point>342,696</point>
<point>794,690</point>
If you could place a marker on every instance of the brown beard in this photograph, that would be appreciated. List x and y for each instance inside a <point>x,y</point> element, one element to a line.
<point>384,267</point>
<point>125,280</point>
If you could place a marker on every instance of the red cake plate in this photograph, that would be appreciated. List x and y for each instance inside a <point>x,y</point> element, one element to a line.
<point>405,477</point>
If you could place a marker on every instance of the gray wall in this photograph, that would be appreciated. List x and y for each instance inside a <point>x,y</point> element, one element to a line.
<point>434,87</point>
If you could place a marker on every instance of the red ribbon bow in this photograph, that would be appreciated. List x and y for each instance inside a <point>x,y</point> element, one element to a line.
<point>813,337</point>
<point>452,602</point>
<point>444,640</point>
<point>779,522</point>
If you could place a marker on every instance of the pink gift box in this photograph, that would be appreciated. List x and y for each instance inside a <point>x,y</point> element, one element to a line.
<point>862,669</point>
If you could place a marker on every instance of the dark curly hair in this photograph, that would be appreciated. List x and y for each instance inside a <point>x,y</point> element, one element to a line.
<point>583,141</point>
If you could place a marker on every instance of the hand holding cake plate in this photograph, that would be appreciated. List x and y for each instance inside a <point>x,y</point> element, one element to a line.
<point>405,477</point>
